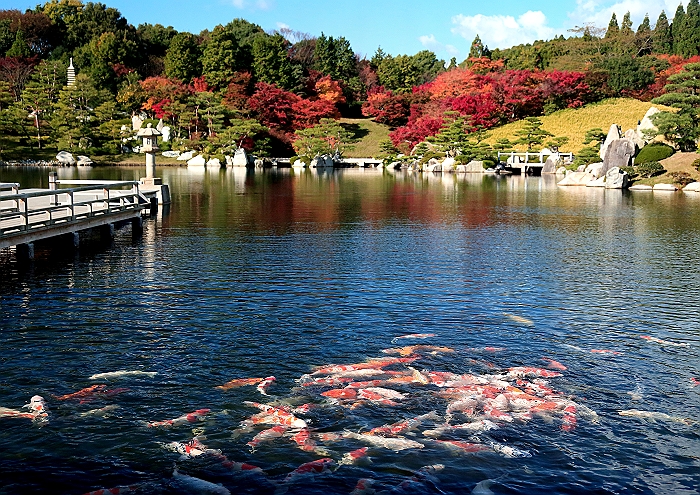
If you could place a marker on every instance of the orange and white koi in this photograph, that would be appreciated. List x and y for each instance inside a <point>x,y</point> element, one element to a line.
<point>695,381</point>
<point>241,466</point>
<point>117,490</point>
<point>314,467</point>
<point>554,365</point>
<point>404,426</point>
<point>569,419</point>
<point>386,393</point>
<point>267,435</point>
<point>418,349</point>
<point>340,393</point>
<point>329,437</point>
<point>198,415</point>
<point>354,457</point>
<point>265,384</point>
<point>327,381</point>
<point>413,336</point>
<point>524,371</point>
<point>303,440</point>
<point>664,342</point>
<point>370,383</point>
<point>193,448</point>
<point>464,446</point>
<point>372,396</point>
<point>86,392</point>
<point>6,412</point>
<point>273,415</point>
<point>239,382</point>
<point>473,427</point>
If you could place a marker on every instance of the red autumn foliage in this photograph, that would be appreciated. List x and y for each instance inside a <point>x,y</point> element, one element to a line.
<point>199,85</point>
<point>287,112</point>
<point>239,90</point>
<point>158,89</point>
<point>487,94</point>
<point>386,107</point>
<point>329,90</point>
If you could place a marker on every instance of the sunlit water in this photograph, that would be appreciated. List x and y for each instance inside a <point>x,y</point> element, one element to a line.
<point>277,272</point>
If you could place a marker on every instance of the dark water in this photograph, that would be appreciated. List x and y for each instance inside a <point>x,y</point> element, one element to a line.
<point>276,273</point>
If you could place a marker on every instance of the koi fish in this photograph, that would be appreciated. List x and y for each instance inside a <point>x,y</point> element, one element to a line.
<point>485,349</point>
<point>354,457</point>
<point>695,381</point>
<point>327,381</point>
<point>523,371</point>
<point>395,444</point>
<point>239,382</point>
<point>198,485</point>
<point>265,384</point>
<point>276,415</point>
<point>37,406</point>
<point>329,437</point>
<point>413,349</point>
<point>423,475</point>
<point>340,393</point>
<point>508,451</point>
<point>554,365</point>
<point>654,415</point>
<point>519,319</point>
<point>86,392</point>
<point>198,415</point>
<point>664,342</point>
<point>314,467</point>
<point>118,490</point>
<point>413,336</point>
<point>303,440</point>
<point>193,448</point>
<point>267,435</point>
<point>473,427</point>
<point>482,488</point>
<point>370,383</point>
<point>6,412</point>
<point>404,426</point>
<point>241,466</point>
<point>464,446</point>
<point>605,351</point>
<point>569,418</point>
<point>386,393</point>
<point>121,373</point>
<point>364,487</point>
<point>101,412</point>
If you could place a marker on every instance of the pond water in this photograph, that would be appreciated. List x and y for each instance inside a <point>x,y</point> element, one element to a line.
<point>278,273</point>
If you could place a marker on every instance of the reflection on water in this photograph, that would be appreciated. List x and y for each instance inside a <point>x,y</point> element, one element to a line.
<point>274,273</point>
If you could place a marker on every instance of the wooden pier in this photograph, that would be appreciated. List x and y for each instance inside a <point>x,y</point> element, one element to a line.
<point>31,215</point>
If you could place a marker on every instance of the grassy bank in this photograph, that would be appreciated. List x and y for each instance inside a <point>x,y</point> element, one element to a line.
<point>369,133</point>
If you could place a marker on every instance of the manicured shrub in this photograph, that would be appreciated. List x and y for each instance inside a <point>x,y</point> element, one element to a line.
<point>696,164</point>
<point>681,178</point>
<point>431,154</point>
<point>631,171</point>
<point>653,153</point>
<point>650,169</point>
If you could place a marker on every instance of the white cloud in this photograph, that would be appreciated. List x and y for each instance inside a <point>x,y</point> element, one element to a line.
<point>598,12</point>
<point>252,4</point>
<point>282,25</point>
<point>503,31</point>
<point>431,43</point>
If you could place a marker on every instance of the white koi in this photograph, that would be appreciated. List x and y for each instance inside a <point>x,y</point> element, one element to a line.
<point>101,412</point>
<point>390,443</point>
<point>198,485</point>
<point>654,416</point>
<point>121,373</point>
<point>508,451</point>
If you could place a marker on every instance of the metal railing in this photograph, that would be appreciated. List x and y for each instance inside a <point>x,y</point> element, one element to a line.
<point>528,154</point>
<point>63,206</point>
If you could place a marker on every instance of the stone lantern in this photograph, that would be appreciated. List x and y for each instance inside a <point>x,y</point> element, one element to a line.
<point>150,146</point>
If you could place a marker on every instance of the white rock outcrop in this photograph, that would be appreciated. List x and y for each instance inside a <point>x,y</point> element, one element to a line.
<point>197,161</point>
<point>65,158</point>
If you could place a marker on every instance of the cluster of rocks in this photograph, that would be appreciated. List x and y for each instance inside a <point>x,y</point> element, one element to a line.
<point>28,163</point>
<point>67,159</point>
<point>617,151</point>
<point>196,160</point>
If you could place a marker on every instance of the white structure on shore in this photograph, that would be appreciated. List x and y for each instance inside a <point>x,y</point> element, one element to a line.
<point>71,73</point>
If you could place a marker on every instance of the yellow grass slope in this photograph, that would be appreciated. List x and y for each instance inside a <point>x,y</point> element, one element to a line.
<point>369,135</point>
<point>574,122</point>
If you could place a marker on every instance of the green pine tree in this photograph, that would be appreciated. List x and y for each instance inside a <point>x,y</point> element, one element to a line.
<point>661,37</point>
<point>19,48</point>
<point>532,133</point>
<point>626,27</point>
<point>613,27</point>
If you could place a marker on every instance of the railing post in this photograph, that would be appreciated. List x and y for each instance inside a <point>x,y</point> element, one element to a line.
<point>25,212</point>
<point>53,186</point>
<point>71,201</point>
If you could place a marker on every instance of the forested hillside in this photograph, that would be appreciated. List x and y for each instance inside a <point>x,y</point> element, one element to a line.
<point>239,86</point>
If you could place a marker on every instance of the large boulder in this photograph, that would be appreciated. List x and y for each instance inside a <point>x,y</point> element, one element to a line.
<point>641,187</point>
<point>171,154</point>
<point>298,164</point>
<point>433,166</point>
<point>613,134</point>
<point>616,179</point>
<point>187,155</point>
<point>692,187</point>
<point>646,124</point>
<point>84,161</point>
<point>214,163</point>
<point>596,169</point>
<point>633,136</point>
<point>197,161</point>
<point>474,167</point>
<point>65,158</point>
<point>240,158</point>
<point>448,164</point>
<point>576,179</point>
<point>599,182</point>
<point>665,187</point>
<point>553,162</point>
<point>619,154</point>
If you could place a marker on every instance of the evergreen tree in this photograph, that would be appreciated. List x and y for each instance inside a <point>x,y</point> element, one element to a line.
<point>272,64</point>
<point>73,120</point>
<point>230,49</point>
<point>326,137</point>
<point>626,28</point>
<point>19,48</point>
<point>183,58</point>
<point>335,58</point>
<point>645,27</point>
<point>613,27</point>
<point>532,133</point>
<point>477,48</point>
<point>682,92</point>
<point>677,28</point>
<point>644,37</point>
<point>40,96</point>
<point>661,37</point>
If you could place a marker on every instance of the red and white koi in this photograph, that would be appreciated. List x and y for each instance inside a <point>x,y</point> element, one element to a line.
<point>265,384</point>
<point>241,467</point>
<point>404,426</point>
<point>554,365</point>
<point>117,490</point>
<point>364,486</point>
<point>508,451</point>
<point>695,381</point>
<point>354,457</point>
<point>193,417</point>
<point>303,439</point>
<point>318,466</point>
<point>386,393</point>
<point>524,371</point>
<point>391,443</point>
<point>193,448</point>
<point>275,415</point>
<point>86,392</point>
<point>409,350</point>
<point>326,381</point>
<point>340,393</point>
<point>664,342</point>
<point>267,435</point>
<point>6,412</point>
<point>569,419</point>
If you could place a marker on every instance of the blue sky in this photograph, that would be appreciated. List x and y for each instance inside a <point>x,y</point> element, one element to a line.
<point>446,27</point>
